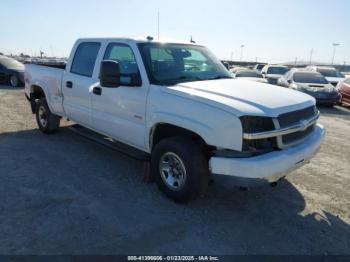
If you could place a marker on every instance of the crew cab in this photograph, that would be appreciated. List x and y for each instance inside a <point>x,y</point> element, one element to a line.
<point>179,104</point>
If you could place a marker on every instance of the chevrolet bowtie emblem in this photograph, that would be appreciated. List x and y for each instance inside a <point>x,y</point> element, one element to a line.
<point>303,123</point>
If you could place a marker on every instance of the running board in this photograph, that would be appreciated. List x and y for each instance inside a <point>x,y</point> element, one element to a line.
<point>110,143</point>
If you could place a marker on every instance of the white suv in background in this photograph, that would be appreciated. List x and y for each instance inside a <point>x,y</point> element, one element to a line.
<point>273,72</point>
<point>330,73</point>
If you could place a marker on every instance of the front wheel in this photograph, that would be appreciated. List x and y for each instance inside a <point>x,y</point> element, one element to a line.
<point>47,122</point>
<point>180,169</point>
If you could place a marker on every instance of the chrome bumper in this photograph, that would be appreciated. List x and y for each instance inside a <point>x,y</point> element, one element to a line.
<point>270,167</point>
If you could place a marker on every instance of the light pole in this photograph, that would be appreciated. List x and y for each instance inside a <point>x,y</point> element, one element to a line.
<point>241,53</point>
<point>311,52</point>
<point>334,48</point>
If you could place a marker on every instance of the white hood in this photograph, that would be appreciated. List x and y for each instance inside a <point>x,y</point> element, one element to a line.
<point>242,97</point>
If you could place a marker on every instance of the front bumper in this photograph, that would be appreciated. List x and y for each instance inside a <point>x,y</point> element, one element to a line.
<point>270,167</point>
<point>327,101</point>
<point>324,98</point>
<point>272,81</point>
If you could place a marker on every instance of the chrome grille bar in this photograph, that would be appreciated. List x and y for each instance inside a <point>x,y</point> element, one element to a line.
<point>283,131</point>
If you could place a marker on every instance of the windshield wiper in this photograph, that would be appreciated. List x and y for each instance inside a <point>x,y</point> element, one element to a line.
<point>185,78</point>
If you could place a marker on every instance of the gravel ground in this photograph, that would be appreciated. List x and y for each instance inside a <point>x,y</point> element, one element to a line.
<point>62,194</point>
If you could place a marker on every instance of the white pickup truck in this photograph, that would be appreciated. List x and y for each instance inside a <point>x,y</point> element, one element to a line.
<point>179,104</point>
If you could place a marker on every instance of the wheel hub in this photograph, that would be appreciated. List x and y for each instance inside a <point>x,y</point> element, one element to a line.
<point>42,116</point>
<point>13,81</point>
<point>172,171</point>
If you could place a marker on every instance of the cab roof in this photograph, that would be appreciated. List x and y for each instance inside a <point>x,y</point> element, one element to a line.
<point>137,40</point>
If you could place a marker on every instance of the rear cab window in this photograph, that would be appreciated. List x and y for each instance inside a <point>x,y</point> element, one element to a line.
<point>85,58</point>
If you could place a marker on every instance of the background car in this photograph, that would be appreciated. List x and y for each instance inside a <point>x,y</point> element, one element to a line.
<point>235,69</point>
<point>343,88</point>
<point>346,74</point>
<point>311,83</point>
<point>259,67</point>
<point>330,73</point>
<point>11,72</point>
<point>273,72</point>
<point>249,74</point>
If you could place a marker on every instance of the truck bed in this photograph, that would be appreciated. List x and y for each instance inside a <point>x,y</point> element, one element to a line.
<point>50,79</point>
<point>53,65</point>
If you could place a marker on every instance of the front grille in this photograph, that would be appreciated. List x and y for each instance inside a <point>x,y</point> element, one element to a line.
<point>297,136</point>
<point>272,81</point>
<point>292,118</point>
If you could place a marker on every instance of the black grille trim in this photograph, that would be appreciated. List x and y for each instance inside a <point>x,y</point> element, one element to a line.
<point>292,118</point>
<point>297,136</point>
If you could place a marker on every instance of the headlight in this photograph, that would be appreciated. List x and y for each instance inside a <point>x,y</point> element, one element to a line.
<point>256,124</point>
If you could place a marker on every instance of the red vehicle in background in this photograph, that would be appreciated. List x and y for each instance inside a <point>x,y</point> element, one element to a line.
<point>344,89</point>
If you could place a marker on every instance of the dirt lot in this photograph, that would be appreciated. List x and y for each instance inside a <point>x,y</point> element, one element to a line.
<point>61,194</point>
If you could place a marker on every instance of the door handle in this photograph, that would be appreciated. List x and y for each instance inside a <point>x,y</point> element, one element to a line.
<point>97,90</point>
<point>69,84</point>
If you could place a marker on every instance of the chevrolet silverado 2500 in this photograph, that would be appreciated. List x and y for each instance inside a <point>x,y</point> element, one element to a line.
<point>179,104</point>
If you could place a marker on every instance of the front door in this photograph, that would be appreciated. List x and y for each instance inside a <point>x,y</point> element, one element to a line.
<point>120,112</point>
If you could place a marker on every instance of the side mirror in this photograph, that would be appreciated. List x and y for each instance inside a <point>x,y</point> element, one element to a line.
<point>109,73</point>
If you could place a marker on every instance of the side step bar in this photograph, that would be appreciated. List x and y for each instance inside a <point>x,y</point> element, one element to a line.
<point>110,143</point>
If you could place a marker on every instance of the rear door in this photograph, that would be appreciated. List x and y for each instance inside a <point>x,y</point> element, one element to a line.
<point>77,80</point>
<point>120,112</point>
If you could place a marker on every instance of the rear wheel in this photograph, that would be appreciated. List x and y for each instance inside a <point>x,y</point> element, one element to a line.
<point>47,122</point>
<point>180,169</point>
<point>14,82</point>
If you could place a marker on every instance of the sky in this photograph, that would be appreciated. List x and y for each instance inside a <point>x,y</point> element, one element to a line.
<point>270,30</point>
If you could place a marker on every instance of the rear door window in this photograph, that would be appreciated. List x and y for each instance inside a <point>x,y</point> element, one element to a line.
<point>85,58</point>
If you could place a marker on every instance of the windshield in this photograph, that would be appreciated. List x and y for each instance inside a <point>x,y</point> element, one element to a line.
<point>330,72</point>
<point>303,77</point>
<point>260,66</point>
<point>170,64</point>
<point>11,63</point>
<point>274,70</point>
<point>248,73</point>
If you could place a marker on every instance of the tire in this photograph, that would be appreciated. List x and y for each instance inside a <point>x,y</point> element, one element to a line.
<point>47,122</point>
<point>180,154</point>
<point>14,81</point>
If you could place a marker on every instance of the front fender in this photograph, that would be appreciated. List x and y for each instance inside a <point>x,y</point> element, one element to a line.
<point>216,127</point>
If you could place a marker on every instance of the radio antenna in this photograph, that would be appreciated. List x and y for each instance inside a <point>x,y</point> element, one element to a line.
<point>158,25</point>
